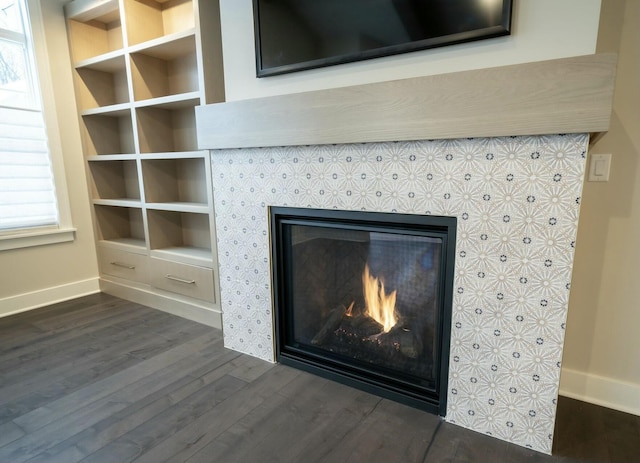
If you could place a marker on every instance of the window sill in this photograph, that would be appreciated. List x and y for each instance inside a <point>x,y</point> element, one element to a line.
<point>39,237</point>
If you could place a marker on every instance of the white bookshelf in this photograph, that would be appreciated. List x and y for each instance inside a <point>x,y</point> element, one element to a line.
<point>140,69</point>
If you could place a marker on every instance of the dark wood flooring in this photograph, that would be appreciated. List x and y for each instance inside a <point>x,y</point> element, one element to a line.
<point>99,379</point>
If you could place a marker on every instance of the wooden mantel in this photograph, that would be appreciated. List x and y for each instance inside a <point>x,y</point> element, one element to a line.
<point>569,95</point>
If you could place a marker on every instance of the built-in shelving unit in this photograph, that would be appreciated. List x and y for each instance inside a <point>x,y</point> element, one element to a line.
<point>140,68</point>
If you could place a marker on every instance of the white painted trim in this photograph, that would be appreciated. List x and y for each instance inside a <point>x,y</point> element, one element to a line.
<point>37,237</point>
<point>600,390</point>
<point>167,302</point>
<point>41,44</point>
<point>47,296</point>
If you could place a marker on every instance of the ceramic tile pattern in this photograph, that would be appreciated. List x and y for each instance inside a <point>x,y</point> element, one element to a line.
<point>517,202</point>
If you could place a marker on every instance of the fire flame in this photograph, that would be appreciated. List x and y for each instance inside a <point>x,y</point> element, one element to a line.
<point>380,307</point>
<point>349,312</point>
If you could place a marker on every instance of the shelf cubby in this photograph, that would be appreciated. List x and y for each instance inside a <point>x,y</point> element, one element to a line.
<point>120,226</point>
<point>102,83</point>
<point>110,133</point>
<point>94,29</point>
<point>115,180</point>
<point>150,19</point>
<point>169,68</point>
<point>167,128</point>
<point>182,236</point>
<point>175,181</point>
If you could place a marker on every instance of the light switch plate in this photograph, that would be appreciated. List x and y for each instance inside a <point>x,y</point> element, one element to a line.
<point>599,167</point>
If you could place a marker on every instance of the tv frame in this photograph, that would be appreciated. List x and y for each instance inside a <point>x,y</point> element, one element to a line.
<point>469,36</point>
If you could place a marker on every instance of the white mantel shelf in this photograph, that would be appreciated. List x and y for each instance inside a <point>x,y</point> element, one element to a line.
<point>569,95</point>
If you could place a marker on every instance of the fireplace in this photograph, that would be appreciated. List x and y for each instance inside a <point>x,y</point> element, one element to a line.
<point>365,298</point>
<point>516,201</point>
<point>395,148</point>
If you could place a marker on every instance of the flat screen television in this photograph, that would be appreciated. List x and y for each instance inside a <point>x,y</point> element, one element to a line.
<point>292,35</point>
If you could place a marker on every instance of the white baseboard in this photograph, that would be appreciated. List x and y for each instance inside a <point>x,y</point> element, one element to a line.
<point>47,296</point>
<point>599,390</point>
<point>167,302</point>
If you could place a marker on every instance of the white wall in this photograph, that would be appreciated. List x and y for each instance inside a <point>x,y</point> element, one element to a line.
<point>602,347</point>
<point>542,29</point>
<point>36,276</point>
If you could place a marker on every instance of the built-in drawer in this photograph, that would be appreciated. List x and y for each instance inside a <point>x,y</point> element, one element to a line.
<point>123,264</point>
<point>188,280</point>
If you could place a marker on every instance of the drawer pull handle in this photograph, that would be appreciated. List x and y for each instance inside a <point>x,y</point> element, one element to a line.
<point>180,280</point>
<point>120,264</point>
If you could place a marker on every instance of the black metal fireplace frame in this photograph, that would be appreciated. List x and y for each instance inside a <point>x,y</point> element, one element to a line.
<point>433,400</point>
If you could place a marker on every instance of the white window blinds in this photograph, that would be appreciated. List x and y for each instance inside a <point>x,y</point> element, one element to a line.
<point>27,191</point>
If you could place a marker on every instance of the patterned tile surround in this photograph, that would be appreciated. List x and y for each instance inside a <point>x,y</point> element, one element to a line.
<point>517,202</point>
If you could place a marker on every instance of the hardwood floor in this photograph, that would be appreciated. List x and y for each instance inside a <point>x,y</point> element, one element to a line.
<point>99,379</point>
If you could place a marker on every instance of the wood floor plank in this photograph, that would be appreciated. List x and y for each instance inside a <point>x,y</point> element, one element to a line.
<point>38,390</point>
<point>75,371</point>
<point>609,435</point>
<point>83,316</point>
<point>9,432</point>
<point>44,342</point>
<point>59,307</point>
<point>144,437</point>
<point>34,443</point>
<point>89,342</point>
<point>49,348</point>
<point>622,435</point>
<point>191,439</point>
<point>16,335</point>
<point>236,443</point>
<point>453,444</point>
<point>69,355</point>
<point>44,437</point>
<point>303,424</point>
<point>383,435</point>
<point>12,338</point>
<point>311,417</point>
<point>576,436</point>
<point>252,369</point>
<point>146,401</point>
<point>101,379</point>
<point>122,383</point>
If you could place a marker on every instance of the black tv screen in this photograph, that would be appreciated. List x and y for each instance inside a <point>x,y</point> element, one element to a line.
<point>292,35</point>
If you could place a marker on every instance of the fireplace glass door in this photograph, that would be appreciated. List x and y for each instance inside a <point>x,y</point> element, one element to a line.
<point>365,298</point>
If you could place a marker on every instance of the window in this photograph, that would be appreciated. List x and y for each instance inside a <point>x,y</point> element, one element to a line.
<point>28,200</point>
<point>16,80</point>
